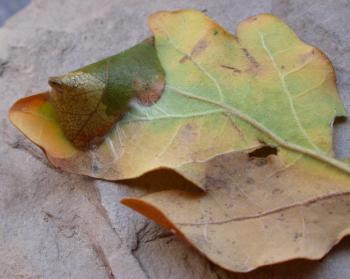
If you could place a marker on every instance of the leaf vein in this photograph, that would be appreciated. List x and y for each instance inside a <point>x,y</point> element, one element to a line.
<point>287,92</point>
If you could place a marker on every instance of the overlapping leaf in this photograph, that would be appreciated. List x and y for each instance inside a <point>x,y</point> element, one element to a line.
<point>226,96</point>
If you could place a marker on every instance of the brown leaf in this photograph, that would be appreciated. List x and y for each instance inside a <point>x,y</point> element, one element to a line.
<point>256,211</point>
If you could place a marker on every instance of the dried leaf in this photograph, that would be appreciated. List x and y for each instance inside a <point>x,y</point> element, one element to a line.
<point>256,211</point>
<point>224,98</point>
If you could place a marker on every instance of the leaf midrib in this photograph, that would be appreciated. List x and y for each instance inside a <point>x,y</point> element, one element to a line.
<point>271,211</point>
<point>290,146</point>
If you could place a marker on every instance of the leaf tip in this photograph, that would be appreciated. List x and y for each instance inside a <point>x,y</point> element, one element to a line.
<point>148,210</point>
<point>34,117</point>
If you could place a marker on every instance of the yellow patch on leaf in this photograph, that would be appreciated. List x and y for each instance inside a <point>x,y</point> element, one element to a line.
<point>35,117</point>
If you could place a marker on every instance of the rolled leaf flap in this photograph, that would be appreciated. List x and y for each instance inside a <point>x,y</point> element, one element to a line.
<point>90,100</point>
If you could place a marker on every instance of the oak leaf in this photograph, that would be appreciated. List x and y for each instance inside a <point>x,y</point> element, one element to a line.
<point>226,98</point>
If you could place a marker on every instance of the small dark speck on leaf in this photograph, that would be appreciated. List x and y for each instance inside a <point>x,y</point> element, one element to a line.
<point>94,167</point>
<point>263,152</point>
<point>297,235</point>
<point>250,180</point>
<point>231,68</point>
<point>184,59</point>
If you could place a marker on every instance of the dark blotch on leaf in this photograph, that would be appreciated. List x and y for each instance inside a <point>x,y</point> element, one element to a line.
<point>263,152</point>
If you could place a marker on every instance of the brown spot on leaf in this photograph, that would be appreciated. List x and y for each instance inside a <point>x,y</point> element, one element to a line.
<point>304,57</point>
<point>184,59</point>
<point>297,236</point>
<point>200,46</point>
<point>251,59</point>
<point>250,180</point>
<point>148,95</point>
<point>235,70</point>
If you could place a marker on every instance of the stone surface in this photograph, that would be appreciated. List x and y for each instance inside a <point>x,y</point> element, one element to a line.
<point>59,225</point>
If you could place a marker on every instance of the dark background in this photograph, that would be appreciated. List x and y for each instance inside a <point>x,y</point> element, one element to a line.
<point>9,7</point>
